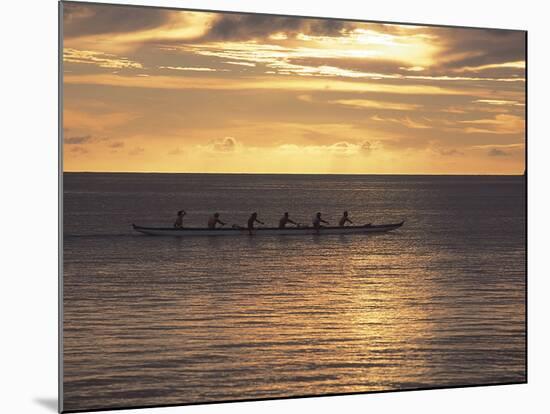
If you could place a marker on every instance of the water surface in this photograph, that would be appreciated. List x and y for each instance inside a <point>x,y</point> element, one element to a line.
<point>159,320</point>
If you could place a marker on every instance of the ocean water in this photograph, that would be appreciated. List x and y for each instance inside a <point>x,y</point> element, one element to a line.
<point>160,320</point>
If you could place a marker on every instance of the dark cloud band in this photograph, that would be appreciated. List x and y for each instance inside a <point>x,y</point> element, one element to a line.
<point>84,20</point>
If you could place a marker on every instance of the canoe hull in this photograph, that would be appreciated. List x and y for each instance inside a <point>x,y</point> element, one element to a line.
<point>265,231</point>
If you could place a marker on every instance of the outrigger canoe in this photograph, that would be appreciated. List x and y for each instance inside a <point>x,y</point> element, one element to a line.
<point>235,231</point>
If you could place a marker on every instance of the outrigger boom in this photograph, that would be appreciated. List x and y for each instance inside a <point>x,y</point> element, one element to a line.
<point>235,231</point>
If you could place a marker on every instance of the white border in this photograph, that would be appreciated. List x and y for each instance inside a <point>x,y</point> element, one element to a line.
<point>29,204</point>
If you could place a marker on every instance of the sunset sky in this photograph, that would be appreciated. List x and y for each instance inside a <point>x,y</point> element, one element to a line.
<point>176,91</point>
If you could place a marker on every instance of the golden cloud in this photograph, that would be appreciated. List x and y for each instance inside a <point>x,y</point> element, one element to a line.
<point>180,26</point>
<point>263,83</point>
<point>366,103</point>
<point>500,124</point>
<point>103,60</point>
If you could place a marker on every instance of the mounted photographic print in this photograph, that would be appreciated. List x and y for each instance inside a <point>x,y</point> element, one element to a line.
<point>263,206</point>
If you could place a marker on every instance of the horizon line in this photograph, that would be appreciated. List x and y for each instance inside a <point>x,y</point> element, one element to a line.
<point>297,173</point>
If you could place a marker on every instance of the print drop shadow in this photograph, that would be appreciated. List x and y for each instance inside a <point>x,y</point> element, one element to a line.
<point>49,403</point>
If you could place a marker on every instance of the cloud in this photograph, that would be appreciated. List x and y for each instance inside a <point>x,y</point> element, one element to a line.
<point>264,83</point>
<point>377,66</point>
<point>500,124</point>
<point>103,60</point>
<point>77,140</point>
<point>370,104</point>
<point>249,64</point>
<point>344,148</point>
<point>440,54</point>
<point>258,26</point>
<point>322,56</point>
<point>495,152</point>
<point>227,144</point>
<point>341,148</point>
<point>462,78</point>
<point>117,144</point>
<point>287,68</point>
<point>303,46</point>
<point>81,19</point>
<point>94,121</point>
<point>406,121</point>
<point>476,48</point>
<point>500,150</point>
<point>412,68</point>
<point>360,53</point>
<point>82,141</point>
<point>192,69</point>
<point>515,65</point>
<point>79,150</point>
<point>499,102</point>
<point>380,65</point>
<point>137,151</point>
<point>450,152</point>
<point>366,147</point>
<point>507,147</point>
<point>124,28</point>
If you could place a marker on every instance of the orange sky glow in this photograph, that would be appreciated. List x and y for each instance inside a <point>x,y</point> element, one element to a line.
<point>159,90</point>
